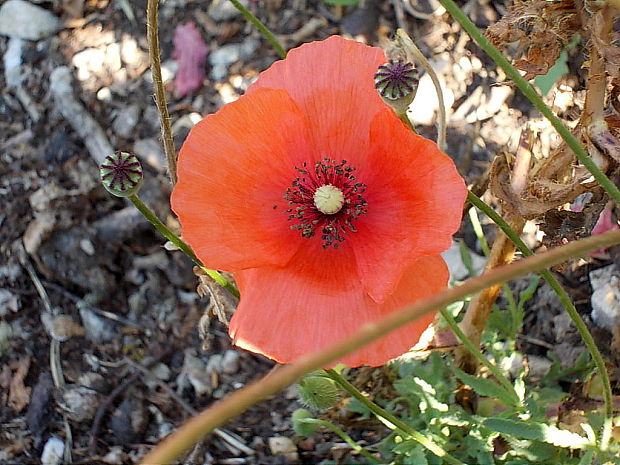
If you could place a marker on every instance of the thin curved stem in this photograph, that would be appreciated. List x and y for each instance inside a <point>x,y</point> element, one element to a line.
<point>186,249</point>
<point>507,385</point>
<point>415,51</point>
<point>261,27</point>
<point>565,299</point>
<point>345,437</point>
<point>529,91</point>
<point>236,403</point>
<point>399,425</point>
<point>152,34</point>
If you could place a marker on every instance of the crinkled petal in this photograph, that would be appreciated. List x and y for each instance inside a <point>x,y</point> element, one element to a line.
<point>234,169</point>
<point>285,314</point>
<point>339,101</point>
<point>423,278</point>
<point>415,197</point>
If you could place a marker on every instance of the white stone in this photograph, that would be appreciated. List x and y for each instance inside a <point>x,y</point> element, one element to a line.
<point>215,363</point>
<point>458,270</point>
<point>12,62</point>
<point>195,372</point>
<point>150,151</point>
<point>605,298</point>
<point>126,120</point>
<point>9,302</point>
<point>80,403</point>
<point>223,10</point>
<point>97,329</point>
<point>53,451</point>
<point>280,445</point>
<point>226,55</point>
<point>230,362</point>
<point>426,103</point>
<point>24,20</point>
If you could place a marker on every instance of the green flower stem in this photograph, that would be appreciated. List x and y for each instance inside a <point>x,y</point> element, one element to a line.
<point>475,222</point>
<point>405,119</point>
<point>402,427</point>
<point>164,231</point>
<point>495,371</point>
<point>261,27</point>
<point>564,298</point>
<point>345,437</point>
<point>415,51</point>
<point>529,91</point>
<point>197,427</point>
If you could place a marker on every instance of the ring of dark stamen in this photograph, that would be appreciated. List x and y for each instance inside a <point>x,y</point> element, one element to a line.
<point>304,214</point>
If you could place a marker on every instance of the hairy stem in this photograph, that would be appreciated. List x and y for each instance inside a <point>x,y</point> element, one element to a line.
<point>533,97</point>
<point>152,34</point>
<point>186,249</point>
<point>480,307</point>
<point>400,426</point>
<point>267,34</point>
<point>220,412</point>
<point>475,351</point>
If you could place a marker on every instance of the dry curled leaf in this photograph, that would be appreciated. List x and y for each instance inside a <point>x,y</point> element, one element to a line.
<point>221,305</point>
<point>540,28</point>
<point>540,195</point>
<point>605,44</point>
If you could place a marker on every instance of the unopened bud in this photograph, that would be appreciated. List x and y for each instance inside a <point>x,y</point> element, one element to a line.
<point>318,392</point>
<point>301,427</point>
<point>397,82</point>
<point>121,174</point>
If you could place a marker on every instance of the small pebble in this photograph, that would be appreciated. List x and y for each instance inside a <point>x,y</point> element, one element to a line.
<point>27,21</point>
<point>80,403</point>
<point>53,451</point>
<point>280,445</point>
<point>97,329</point>
<point>605,298</point>
<point>230,362</point>
<point>126,120</point>
<point>223,10</point>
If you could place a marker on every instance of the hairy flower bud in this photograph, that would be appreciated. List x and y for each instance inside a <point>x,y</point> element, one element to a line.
<point>397,83</point>
<point>318,392</point>
<point>301,427</point>
<point>121,174</point>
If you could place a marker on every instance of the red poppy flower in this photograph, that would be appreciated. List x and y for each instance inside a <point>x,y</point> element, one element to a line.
<point>327,209</point>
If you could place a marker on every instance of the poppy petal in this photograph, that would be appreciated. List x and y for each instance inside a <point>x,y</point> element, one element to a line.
<point>339,102</point>
<point>424,278</point>
<point>415,198</point>
<point>234,169</point>
<point>284,315</point>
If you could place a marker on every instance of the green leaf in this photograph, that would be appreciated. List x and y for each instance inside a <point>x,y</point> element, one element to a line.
<point>487,388</point>
<point>416,456</point>
<point>538,432</point>
<point>356,406</point>
<point>587,458</point>
<point>466,259</point>
<point>527,293</point>
<point>557,71</point>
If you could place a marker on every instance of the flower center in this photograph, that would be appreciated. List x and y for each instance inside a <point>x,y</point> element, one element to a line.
<point>327,199</point>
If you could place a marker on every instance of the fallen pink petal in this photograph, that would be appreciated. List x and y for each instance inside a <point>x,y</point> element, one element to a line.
<point>190,51</point>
